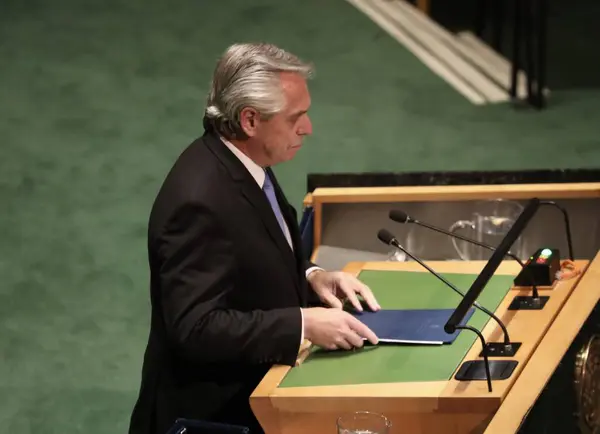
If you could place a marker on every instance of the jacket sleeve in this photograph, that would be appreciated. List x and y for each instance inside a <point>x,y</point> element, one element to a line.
<point>197,272</point>
<point>308,265</point>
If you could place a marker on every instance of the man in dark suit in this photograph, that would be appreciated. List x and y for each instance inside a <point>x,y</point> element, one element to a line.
<point>230,289</point>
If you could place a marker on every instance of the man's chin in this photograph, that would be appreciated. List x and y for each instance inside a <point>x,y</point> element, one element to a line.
<point>293,150</point>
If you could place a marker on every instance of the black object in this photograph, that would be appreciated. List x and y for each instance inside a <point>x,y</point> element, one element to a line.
<point>497,349</point>
<point>498,370</point>
<point>488,370</point>
<point>533,302</point>
<point>567,225</point>
<point>543,266</point>
<point>529,42</point>
<point>473,368</point>
<point>529,27</point>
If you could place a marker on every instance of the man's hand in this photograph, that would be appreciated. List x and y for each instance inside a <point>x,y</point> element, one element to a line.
<point>334,286</point>
<point>335,329</point>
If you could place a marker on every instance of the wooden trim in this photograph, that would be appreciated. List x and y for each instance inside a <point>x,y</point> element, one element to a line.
<point>355,268</point>
<point>317,223</point>
<point>307,200</point>
<point>455,193</point>
<point>261,403</point>
<point>315,253</point>
<point>549,353</point>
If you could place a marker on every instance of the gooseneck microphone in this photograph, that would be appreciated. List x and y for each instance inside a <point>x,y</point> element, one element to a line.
<point>567,225</point>
<point>401,217</point>
<point>388,238</point>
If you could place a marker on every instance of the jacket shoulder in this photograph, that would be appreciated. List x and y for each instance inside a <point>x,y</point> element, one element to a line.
<point>196,177</point>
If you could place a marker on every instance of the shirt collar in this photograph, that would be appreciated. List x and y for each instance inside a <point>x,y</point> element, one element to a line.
<point>257,172</point>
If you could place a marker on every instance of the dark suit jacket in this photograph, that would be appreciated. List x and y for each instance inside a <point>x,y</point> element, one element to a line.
<point>226,292</point>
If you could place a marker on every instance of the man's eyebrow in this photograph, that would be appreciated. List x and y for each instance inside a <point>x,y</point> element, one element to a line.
<point>298,113</point>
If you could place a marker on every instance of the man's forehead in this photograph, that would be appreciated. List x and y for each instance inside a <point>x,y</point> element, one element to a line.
<point>293,82</point>
<point>296,91</point>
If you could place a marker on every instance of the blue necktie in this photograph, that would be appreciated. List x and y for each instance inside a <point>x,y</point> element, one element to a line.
<point>270,192</point>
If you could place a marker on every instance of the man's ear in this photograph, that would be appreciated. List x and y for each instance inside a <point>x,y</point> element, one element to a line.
<point>249,120</point>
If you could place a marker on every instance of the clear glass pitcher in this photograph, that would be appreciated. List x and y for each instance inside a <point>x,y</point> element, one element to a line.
<point>490,223</point>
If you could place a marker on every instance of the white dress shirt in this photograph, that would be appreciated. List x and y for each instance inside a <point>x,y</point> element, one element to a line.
<point>259,175</point>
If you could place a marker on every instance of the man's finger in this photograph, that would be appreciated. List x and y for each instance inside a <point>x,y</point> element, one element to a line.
<point>353,338</point>
<point>331,300</point>
<point>348,289</point>
<point>363,330</point>
<point>341,342</point>
<point>368,295</point>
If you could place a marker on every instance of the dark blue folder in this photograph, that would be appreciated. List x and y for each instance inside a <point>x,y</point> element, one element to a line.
<point>411,326</point>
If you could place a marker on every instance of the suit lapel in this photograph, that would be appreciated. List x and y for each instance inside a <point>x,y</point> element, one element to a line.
<point>259,201</point>
<point>257,198</point>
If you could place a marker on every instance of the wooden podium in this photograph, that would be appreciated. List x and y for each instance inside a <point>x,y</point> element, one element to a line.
<point>449,405</point>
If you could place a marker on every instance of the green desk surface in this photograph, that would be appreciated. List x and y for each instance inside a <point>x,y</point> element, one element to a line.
<point>402,363</point>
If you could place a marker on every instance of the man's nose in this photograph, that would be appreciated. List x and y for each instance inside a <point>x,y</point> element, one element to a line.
<point>305,128</point>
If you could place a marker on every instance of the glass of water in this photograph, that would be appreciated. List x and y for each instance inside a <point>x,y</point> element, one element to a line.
<point>363,422</point>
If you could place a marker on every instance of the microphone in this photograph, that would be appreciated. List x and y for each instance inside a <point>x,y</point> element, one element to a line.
<point>508,348</point>
<point>401,217</point>
<point>567,225</point>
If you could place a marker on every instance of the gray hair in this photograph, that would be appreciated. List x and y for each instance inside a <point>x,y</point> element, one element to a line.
<point>247,75</point>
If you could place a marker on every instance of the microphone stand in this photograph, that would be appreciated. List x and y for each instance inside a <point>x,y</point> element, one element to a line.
<point>486,361</point>
<point>567,225</point>
<point>496,349</point>
<point>520,302</point>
